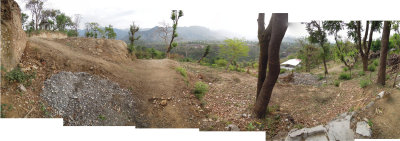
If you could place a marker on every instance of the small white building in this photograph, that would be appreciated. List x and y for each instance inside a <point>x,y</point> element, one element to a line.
<point>290,64</point>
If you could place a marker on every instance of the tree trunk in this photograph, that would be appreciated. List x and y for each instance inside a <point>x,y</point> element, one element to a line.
<point>365,63</point>
<point>384,51</point>
<point>264,36</point>
<point>279,24</point>
<point>326,68</point>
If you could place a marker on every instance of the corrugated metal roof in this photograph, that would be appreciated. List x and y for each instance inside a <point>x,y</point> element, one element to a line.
<point>293,62</point>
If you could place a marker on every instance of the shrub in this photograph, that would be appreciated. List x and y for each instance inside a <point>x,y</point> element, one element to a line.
<point>221,62</point>
<point>182,71</point>
<point>361,73</point>
<point>344,76</point>
<point>16,75</point>
<point>375,62</point>
<point>372,68</point>
<point>214,65</point>
<point>200,89</point>
<point>387,77</point>
<point>336,83</point>
<point>345,69</point>
<point>320,77</point>
<point>364,83</point>
<point>282,71</point>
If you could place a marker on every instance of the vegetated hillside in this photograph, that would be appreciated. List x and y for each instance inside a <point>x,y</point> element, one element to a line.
<point>191,33</point>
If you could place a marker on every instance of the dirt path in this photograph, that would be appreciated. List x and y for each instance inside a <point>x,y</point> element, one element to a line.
<point>150,81</point>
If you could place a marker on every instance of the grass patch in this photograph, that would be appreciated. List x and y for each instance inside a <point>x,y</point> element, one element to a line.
<point>336,83</point>
<point>344,76</point>
<point>370,123</point>
<point>282,71</point>
<point>182,71</point>
<point>299,126</point>
<point>364,83</point>
<point>361,73</point>
<point>320,77</point>
<point>345,69</point>
<point>250,127</point>
<point>371,68</point>
<point>102,117</point>
<point>200,89</point>
<point>16,75</point>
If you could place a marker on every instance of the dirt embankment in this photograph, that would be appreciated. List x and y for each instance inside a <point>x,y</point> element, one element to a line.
<point>13,38</point>
<point>50,35</point>
<point>162,98</point>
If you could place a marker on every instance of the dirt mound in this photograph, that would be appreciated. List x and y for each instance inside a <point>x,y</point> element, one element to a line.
<point>50,35</point>
<point>82,99</point>
<point>109,50</point>
<point>13,38</point>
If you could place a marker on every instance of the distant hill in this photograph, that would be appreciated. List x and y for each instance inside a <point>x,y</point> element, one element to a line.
<point>191,33</point>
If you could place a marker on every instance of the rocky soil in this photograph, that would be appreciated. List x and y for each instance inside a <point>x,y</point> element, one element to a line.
<point>85,100</point>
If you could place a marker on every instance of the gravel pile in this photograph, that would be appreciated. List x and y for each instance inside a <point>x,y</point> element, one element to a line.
<point>84,100</point>
<point>303,79</point>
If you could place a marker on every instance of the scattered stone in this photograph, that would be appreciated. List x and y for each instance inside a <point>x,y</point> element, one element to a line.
<point>163,102</point>
<point>381,94</point>
<point>35,67</point>
<point>22,88</point>
<point>232,127</point>
<point>339,128</point>
<point>244,115</point>
<point>370,104</point>
<point>363,129</point>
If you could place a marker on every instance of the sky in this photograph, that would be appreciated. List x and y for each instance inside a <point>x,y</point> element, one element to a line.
<point>238,17</point>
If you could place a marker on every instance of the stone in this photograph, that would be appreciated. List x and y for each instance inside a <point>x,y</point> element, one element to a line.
<point>232,127</point>
<point>317,137</point>
<point>339,128</point>
<point>163,102</point>
<point>363,129</point>
<point>381,94</point>
<point>22,88</point>
<point>316,130</point>
<point>370,104</point>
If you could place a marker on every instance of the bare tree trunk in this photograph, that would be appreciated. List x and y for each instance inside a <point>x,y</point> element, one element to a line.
<point>278,24</point>
<point>365,62</point>
<point>264,36</point>
<point>384,51</point>
<point>326,68</point>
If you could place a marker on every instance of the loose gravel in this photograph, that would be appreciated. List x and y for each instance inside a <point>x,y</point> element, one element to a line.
<point>86,100</point>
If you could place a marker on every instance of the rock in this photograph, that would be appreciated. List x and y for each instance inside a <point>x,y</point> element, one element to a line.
<point>13,37</point>
<point>339,128</point>
<point>34,67</point>
<point>22,88</point>
<point>381,94</point>
<point>363,129</point>
<point>244,115</point>
<point>26,69</point>
<point>370,104</point>
<point>232,127</point>
<point>163,102</point>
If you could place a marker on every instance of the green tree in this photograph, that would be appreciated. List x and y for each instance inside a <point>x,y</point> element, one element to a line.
<point>110,32</point>
<point>175,16</point>
<point>233,49</point>
<point>308,53</point>
<point>205,53</point>
<point>345,51</point>
<point>63,22</point>
<point>132,31</point>
<point>354,32</point>
<point>36,8</point>
<point>318,35</point>
<point>24,19</point>
<point>91,29</point>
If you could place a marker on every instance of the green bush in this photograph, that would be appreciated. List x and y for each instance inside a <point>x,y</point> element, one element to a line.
<point>361,73</point>
<point>320,77</point>
<point>282,71</point>
<point>336,83</point>
<point>214,65</point>
<point>221,62</point>
<point>364,83</point>
<point>16,75</point>
<point>376,62</point>
<point>372,68</point>
<point>182,71</point>
<point>344,76</point>
<point>200,89</point>
<point>345,69</point>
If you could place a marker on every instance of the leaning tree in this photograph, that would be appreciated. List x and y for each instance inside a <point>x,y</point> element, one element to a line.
<point>175,16</point>
<point>270,39</point>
